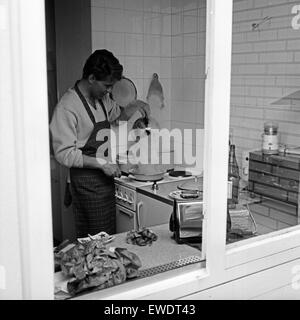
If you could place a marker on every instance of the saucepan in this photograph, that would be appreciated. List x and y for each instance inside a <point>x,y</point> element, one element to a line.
<point>139,171</point>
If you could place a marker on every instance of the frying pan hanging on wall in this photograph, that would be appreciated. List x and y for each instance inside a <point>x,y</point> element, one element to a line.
<point>124,92</point>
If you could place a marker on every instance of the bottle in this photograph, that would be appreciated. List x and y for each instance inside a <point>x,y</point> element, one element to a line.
<point>233,177</point>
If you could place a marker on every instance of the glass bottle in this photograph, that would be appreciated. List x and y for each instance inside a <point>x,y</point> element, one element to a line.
<point>233,177</point>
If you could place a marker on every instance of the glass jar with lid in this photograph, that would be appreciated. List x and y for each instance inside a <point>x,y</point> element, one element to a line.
<point>270,138</point>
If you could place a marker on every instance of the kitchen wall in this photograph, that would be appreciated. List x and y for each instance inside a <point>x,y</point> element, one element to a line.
<point>188,70</point>
<point>73,41</point>
<point>265,69</point>
<point>166,37</point>
<point>139,34</point>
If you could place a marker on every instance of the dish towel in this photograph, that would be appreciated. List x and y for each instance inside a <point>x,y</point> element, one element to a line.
<point>155,95</point>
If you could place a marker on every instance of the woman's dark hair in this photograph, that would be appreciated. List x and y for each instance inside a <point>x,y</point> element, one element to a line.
<point>103,64</point>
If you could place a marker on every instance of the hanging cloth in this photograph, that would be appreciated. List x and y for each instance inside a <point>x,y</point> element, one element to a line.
<point>155,95</point>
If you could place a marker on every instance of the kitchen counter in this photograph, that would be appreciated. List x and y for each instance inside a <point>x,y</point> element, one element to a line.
<point>130,182</point>
<point>164,250</point>
<point>164,189</point>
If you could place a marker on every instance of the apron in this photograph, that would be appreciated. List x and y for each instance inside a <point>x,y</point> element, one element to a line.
<point>93,192</point>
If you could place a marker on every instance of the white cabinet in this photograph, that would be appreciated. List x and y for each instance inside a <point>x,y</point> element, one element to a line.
<point>151,212</point>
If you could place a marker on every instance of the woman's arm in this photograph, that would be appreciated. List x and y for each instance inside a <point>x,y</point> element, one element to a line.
<point>64,137</point>
<point>117,113</point>
<point>137,105</point>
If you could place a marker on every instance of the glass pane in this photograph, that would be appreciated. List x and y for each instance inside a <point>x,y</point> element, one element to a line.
<point>265,116</point>
<point>161,46</point>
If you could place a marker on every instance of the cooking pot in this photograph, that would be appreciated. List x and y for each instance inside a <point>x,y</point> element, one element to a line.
<point>139,171</point>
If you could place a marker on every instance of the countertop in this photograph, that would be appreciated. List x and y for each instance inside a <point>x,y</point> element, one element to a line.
<point>164,250</point>
<point>130,182</point>
<point>164,189</point>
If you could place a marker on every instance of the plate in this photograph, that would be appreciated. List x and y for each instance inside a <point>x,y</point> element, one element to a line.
<point>177,195</point>
<point>180,173</point>
<point>124,91</point>
<point>105,237</point>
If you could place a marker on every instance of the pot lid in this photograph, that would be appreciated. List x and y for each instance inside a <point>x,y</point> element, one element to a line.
<point>194,185</point>
<point>124,92</point>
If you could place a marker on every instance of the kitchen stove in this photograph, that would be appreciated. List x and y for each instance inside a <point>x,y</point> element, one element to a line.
<point>126,191</point>
<point>126,199</point>
<point>126,188</point>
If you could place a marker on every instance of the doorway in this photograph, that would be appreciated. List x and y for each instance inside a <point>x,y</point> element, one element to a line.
<point>68,38</point>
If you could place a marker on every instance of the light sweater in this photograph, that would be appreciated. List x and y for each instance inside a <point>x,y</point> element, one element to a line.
<point>71,126</point>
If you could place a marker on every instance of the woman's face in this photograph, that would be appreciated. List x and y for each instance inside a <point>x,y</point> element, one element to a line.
<point>100,88</point>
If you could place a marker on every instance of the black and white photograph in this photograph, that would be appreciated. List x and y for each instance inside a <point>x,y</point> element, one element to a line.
<point>149,150</point>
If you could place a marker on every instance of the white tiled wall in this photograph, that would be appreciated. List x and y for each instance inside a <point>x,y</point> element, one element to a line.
<point>166,37</point>
<point>188,68</point>
<point>265,68</point>
<point>139,33</point>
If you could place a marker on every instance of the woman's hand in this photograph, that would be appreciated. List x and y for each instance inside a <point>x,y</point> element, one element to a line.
<point>143,107</point>
<point>132,107</point>
<point>111,170</point>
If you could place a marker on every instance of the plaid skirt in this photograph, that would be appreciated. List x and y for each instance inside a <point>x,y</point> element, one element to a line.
<point>93,199</point>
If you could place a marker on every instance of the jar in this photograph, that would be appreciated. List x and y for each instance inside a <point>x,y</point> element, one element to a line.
<point>270,138</point>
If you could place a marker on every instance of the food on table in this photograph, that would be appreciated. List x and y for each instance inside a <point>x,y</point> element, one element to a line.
<point>105,237</point>
<point>92,265</point>
<point>143,237</point>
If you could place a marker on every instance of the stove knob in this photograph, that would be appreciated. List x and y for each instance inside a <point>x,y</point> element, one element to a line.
<point>126,198</point>
<point>121,196</point>
<point>130,200</point>
<point>118,195</point>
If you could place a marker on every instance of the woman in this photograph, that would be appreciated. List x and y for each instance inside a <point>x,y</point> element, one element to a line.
<point>82,113</point>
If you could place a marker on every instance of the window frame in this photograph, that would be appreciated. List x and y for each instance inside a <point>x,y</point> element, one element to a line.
<point>223,263</point>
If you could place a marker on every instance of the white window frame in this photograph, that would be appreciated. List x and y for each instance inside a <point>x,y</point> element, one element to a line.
<point>26,99</point>
<point>223,263</point>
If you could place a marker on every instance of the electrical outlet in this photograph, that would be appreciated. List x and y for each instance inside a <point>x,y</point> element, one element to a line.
<point>245,164</point>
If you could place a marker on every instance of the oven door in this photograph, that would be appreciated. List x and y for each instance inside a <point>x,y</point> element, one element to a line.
<point>125,219</point>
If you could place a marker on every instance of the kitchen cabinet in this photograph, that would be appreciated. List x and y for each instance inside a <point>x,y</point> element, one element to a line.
<point>151,211</point>
<point>276,177</point>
